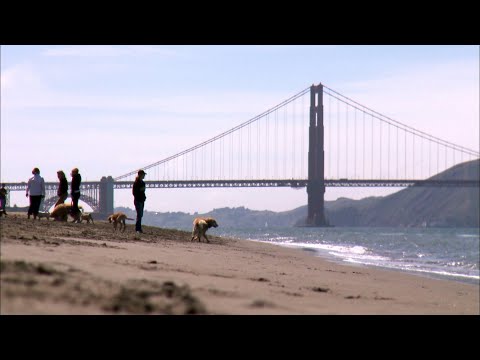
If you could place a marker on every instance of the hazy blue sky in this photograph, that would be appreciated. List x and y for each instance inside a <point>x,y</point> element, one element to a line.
<point>109,110</point>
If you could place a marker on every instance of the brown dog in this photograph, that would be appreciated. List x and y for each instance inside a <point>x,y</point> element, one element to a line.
<point>87,218</point>
<point>118,218</point>
<point>200,227</point>
<point>61,212</point>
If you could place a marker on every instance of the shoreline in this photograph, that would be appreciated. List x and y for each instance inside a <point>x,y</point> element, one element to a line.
<point>422,273</point>
<point>64,268</point>
<point>324,254</point>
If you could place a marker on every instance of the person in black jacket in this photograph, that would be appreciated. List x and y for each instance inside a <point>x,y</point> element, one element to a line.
<point>139,198</point>
<point>3,199</point>
<point>62,188</point>
<point>76,181</point>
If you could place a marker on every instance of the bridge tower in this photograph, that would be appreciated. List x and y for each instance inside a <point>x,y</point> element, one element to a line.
<point>106,195</point>
<point>316,172</point>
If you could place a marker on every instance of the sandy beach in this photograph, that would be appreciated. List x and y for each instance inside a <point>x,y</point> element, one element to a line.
<point>50,267</point>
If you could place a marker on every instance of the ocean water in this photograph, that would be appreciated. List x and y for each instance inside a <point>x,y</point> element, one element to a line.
<point>446,253</point>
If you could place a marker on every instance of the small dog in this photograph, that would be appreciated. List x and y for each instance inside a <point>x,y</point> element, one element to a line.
<point>118,218</point>
<point>87,218</point>
<point>43,215</point>
<point>200,227</point>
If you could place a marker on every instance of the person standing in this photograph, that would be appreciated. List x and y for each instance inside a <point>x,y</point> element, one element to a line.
<point>36,190</point>
<point>3,199</point>
<point>139,198</point>
<point>75,193</point>
<point>62,188</point>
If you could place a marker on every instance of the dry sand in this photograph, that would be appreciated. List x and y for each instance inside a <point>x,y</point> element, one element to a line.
<point>50,267</point>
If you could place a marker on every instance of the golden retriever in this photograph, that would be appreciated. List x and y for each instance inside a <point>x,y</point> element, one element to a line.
<point>87,218</point>
<point>200,227</point>
<point>61,212</point>
<point>118,218</point>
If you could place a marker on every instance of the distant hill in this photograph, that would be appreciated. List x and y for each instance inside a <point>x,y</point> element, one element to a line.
<point>227,217</point>
<point>410,207</point>
<point>416,206</point>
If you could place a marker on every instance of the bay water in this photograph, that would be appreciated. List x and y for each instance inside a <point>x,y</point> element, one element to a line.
<point>446,253</point>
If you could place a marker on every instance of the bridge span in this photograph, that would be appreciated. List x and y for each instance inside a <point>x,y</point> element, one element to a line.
<point>99,195</point>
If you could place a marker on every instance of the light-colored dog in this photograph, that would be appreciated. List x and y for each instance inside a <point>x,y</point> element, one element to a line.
<point>119,218</point>
<point>200,227</point>
<point>61,212</point>
<point>43,215</point>
<point>87,218</point>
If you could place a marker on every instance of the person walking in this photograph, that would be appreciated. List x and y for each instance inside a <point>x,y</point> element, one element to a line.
<point>75,193</point>
<point>62,188</point>
<point>3,199</point>
<point>36,191</point>
<point>139,198</point>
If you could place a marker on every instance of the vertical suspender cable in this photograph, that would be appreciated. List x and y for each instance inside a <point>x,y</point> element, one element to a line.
<point>388,161</point>
<point>445,157</point>
<point>364,144</point>
<point>413,156</point>
<point>258,149</point>
<point>303,122</point>
<point>285,141</point>
<point>250,152</point>
<point>346,140</point>
<point>294,162</point>
<point>438,158</point>
<point>330,137</point>
<point>381,147</point>
<point>405,154</point>
<point>431,150</point>
<point>266,147</point>
<point>397,154</point>
<point>371,141</point>
<point>355,145</point>
<point>338,139</point>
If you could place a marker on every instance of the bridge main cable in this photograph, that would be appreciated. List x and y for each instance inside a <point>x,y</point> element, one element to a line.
<point>248,122</point>
<point>412,131</point>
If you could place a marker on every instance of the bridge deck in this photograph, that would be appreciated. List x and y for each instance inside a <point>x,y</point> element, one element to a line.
<point>294,183</point>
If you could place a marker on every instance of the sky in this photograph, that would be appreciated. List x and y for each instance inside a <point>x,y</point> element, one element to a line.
<point>111,109</point>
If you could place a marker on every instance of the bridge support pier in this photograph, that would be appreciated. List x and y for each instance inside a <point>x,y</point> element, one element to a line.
<point>316,173</point>
<point>106,196</point>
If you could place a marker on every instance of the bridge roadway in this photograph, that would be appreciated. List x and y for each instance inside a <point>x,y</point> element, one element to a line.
<point>99,195</point>
<point>293,183</point>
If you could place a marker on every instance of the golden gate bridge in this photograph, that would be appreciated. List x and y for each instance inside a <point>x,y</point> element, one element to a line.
<point>315,139</point>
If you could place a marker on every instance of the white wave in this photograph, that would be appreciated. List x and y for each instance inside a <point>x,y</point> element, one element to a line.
<point>343,252</point>
<point>362,257</point>
<point>411,268</point>
<point>469,235</point>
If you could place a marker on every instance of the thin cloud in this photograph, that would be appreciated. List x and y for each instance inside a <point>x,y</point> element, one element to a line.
<point>108,51</point>
<point>294,47</point>
<point>23,87</point>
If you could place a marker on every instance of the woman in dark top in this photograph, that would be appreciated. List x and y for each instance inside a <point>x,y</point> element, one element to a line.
<point>76,181</point>
<point>139,198</point>
<point>62,188</point>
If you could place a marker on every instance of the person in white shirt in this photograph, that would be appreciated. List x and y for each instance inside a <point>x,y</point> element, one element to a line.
<point>36,190</point>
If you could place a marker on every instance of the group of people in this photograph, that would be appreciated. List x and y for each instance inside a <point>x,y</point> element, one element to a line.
<point>36,191</point>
